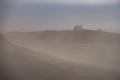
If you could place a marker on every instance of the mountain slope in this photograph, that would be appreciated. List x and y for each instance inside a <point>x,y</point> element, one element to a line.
<point>23,64</point>
<point>84,36</point>
<point>86,46</point>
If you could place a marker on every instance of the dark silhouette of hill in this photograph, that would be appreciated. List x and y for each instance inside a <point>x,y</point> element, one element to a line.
<point>24,64</point>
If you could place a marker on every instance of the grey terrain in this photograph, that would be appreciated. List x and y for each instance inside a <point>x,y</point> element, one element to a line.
<point>61,55</point>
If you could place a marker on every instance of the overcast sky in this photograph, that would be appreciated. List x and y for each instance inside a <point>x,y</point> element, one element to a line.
<point>27,15</point>
<point>74,1</point>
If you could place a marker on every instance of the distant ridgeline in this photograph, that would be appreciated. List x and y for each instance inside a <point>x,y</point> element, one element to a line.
<point>78,35</point>
<point>80,28</point>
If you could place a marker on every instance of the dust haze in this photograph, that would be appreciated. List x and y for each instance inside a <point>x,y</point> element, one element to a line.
<point>63,55</point>
<point>57,40</point>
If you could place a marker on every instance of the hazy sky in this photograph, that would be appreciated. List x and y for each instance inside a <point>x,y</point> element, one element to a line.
<point>27,15</point>
<point>74,1</point>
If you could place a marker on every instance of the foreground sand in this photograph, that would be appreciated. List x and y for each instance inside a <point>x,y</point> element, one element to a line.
<point>29,58</point>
